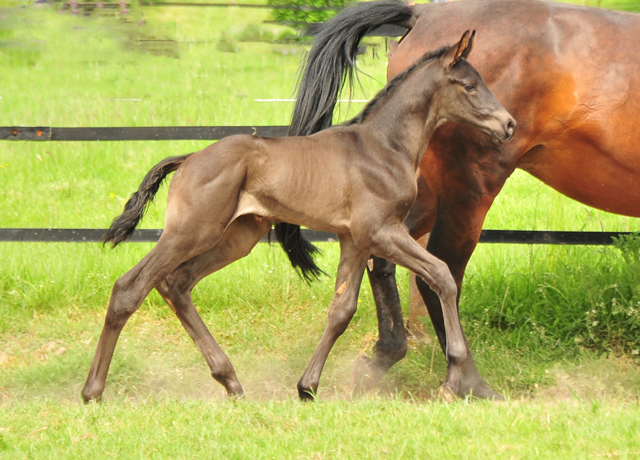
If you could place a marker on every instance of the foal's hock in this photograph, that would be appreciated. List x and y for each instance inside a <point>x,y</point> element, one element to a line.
<point>356,180</point>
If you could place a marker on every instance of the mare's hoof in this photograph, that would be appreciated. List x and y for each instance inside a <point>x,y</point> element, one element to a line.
<point>479,389</point>
<point>447,395</point>
<point>306,397</point>
<point>363,376</point>
<point>89,400</point>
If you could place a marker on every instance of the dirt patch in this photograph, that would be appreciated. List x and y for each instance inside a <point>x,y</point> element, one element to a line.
<point>606,378</point>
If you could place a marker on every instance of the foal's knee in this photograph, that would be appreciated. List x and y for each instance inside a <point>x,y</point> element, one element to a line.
<point>456,353</point>
<point>342,308</point>
<point>444,285</point>
<point>174,286</point>
<point>178,283</point>
<point>343,313</point>
<point>123,303</point>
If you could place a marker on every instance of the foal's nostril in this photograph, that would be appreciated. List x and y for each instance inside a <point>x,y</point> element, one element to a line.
<point>511,128</point>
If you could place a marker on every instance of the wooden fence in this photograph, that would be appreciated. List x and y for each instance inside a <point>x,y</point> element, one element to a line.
<point>147,133</point>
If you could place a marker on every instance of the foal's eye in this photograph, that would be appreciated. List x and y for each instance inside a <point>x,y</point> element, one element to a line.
<point>469,88</point>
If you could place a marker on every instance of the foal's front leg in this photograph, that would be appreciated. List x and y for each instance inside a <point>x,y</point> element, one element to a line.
<point>394,243</point>
<point>391,346</point>
<point>342,308</point>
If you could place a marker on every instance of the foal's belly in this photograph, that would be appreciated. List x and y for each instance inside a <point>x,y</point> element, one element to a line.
<point>308,213</point>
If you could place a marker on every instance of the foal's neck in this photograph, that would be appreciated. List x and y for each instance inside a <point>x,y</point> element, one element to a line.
<point>405,119</point>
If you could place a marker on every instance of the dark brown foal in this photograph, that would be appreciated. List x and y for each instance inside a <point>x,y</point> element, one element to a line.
<point>356,180</point>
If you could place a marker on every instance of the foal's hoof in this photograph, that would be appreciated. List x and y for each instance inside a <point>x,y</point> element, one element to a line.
<point>89,396</point>
<point>236,395</point>
<point>477,388</point>
<point>89,399</point>
<point>234,390</point>
<point>490,395</point>
<point>447,394</point>
<point>306,394</point>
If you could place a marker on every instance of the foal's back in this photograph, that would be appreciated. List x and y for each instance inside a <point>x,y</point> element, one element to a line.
<point>303,180</point>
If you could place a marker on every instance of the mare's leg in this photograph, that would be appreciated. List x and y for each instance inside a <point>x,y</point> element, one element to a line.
<point>238,240</point>
<point>342,308</point>
<point>464,178</point>
<point>396,245</point>
<point>391,346</point>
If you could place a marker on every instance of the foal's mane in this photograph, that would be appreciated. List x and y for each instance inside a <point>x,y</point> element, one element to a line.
<point>394,83</point>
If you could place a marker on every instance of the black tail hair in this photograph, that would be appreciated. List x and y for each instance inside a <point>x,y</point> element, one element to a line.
<point>123,226</point>
<point>299,250</point>
<point>330,63</point>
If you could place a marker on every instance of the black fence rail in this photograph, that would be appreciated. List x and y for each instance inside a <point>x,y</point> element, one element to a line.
<point>142,133</point>
<point>164,133</point>
<point>127,5</point>
<point>93,235</point>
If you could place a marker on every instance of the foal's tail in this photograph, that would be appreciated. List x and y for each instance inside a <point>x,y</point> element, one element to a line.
<point>123,226</point>
<point>330,63</point>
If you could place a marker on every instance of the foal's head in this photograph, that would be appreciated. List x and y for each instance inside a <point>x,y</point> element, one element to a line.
<point>463,96</point>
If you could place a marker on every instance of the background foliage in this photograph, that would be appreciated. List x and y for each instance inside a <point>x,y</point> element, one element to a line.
<point>304,16</point>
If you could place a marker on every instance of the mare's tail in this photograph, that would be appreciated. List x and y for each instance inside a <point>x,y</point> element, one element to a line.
<point>331,60</point>
<point>123,226</point>
<point>330,63</point>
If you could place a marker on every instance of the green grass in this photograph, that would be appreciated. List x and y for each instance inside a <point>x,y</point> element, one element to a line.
<point>554,328</point>
<point>361,429</point>
<point>623,5</point>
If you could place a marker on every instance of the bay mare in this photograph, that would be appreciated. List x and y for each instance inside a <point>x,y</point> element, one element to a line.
<point>568,75</point>
<point>356,180</point>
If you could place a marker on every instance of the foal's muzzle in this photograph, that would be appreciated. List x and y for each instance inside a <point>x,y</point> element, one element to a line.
<point>505,132</point>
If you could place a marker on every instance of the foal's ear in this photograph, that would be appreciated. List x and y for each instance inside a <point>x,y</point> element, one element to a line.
<point>459,50</point>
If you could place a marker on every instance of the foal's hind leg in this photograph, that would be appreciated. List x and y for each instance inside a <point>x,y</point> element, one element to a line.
<point>238,240</point>
<point>128,293</point>
<point>396,245</point>
<point>342,308</point>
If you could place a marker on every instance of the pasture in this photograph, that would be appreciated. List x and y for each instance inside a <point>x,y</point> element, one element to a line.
<point>555,329</point>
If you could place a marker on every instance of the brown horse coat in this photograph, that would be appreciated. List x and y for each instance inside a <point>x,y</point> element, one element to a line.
<point>569,74</point>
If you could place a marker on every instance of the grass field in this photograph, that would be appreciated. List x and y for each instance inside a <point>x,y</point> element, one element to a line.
<point>555,329</point>
<point>361,429</point>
